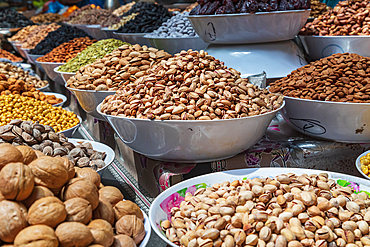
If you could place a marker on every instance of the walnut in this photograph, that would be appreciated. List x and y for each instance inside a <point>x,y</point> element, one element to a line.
<point>104,211</point>
<point>102,232</point>
<point>73,234</point>
<point>9,154</point>
<point>78,210</point>
<point>28,153</point>
<point>79,187</point>
<point>48,211</point>
<point>13,218</point>
<point>38,235</point>
<point>49,172</point>
<point>69,166</point>
<point>121,240</point>
<point>127,208</point>
<point>89,174</point>
<point>39,153</point>
<point>111,194</point>
<point>38,192</point>
<point>16,181</point>
<point>132,226</point>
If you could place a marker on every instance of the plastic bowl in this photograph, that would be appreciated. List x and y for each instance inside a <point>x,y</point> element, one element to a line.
<point>175,45</point>
<point>98,147</point>
<point>49,70</point>
<point>323,46</point>
<point>69,132</point>
<point>190,141</point>
<point>358,164</point>
<point>133,38</point>
<point>336,121</point>
<point>65,75</point>
<point>249,28</point>
<point>58,95</point>
<point>96,32</point>
<point>160,209</point>
<point>90,99</point>
<point>109,32</point>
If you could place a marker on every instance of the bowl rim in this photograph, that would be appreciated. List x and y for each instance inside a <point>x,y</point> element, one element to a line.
<point>35,55</point>
<point>50,63</point>
<point>334,36</point>
<point>62,96</point>
<point>97,26</point>
<point>130,34</point>
<point>61,72</point>
<point>326,102</point>
<point>249,14</point>
<point>164,38</point>
<point>13,42</point>
<point>42,88</point>
<point>188,121</point>
<point>25,49</point>
<point>106,29</point>
<point>89,91</point>
<point>358,164</point>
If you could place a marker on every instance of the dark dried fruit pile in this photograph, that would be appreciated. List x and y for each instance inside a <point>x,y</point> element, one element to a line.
<point>151,16</point>
<point>58,37</point>
<point>212,7</point>
<point>9,18</point>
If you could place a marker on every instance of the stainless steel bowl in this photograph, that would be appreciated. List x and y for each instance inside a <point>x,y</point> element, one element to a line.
<point>133,38</point>
<point>175,45</point>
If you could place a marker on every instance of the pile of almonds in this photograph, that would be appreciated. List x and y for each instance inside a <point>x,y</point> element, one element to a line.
<point>346,18</point>
<point>285,211</point>
<point>191,85</point>
<point>38,35</point>
<point>121,67</point>
<point>339,77</point>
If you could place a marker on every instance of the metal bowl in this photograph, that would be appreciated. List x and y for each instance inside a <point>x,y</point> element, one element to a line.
<point>175,45</point>
<point>336,121</point>
<point>109,32</point>
<point>65,75</point>
<point>49,70</point>
<point>89,100</point>
<point>71,131</point>
<point>96,32</point>
<point>13,43</point>
<point>32,58</point>
<point>20,50</point>
<point>190,141</point>
<point>57,95</point>
<point>80,26</point>
<point>358,164</point>
<point>323,46</point>
<point>249,28</point>
<point>133,38</point>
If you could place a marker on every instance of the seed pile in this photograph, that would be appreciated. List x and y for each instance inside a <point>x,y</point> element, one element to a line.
<point>340,77</point>
<point>9,18</point>
<point>91,54</point>
<point>346,18</point>
<point>8,55</point>
<point>318,8</point>
<point>47,18</point>
<point>123,9</point>
<point>38,35</point>
<point>287,210</point>
<point>191,85</point>
<point>66,51</point>
<point>121,67</point>
<point>22,34</point>
<point>58,37</point>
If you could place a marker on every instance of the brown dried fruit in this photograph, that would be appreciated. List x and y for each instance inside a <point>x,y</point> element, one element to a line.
<point>89,174</point>
<point>132,226</point>
<point>78,210</point>
<point>104,211</point>
<point>47,211</point>
<point>28,153</point>
<point>127,208</point>
<point>73,234</point>
<point>79,187</point>
<point>111,194</point>
<point>102,232</point>
<point>122,240</point>
<point>13,217</point>
<point>35,236</point>
<point>38,192</point>
<point>16,181</point>
<point>49,172</point>
<point>9,154</point>
<point>69,166</point>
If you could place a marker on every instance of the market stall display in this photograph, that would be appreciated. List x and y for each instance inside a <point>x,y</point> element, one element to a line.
<point>123,9</point>
<point>95,16</point>
<point>79,11</point>
<point>38,35</point>
<point>318,8</point>
<point>123,21</point>
<point>47,18</point>
<point>22,34</point>
<point>49,67</point>
<point>10,56</point>
<point>9,18</point>
<point>363,164</point>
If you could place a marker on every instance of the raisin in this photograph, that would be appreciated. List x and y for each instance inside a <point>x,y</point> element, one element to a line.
<point>230,8</point>
<point>306,4</point>
<point>201,2</point>
<point>274,5</point>
<point>221,10</point>
<point>204,8</point>
<point>213,7</point>
<point>283,5</point>
<point>196,10</point>
<point>297,4</point>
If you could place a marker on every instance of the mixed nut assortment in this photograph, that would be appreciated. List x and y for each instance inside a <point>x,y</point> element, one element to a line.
<point>38,35</point>
<point>47,18</point>
<point>122,22</point>
<point>191,85</point>
<point>123,9</point>
<point>22,34</point>
<point>318,8</point>
<point>45,201</point>
<point>95,16</point>
<point>10,18</point>
<point>66,51</point>
<point>10,56</point>
<point>287,210</point>
<point>346,18</point>
<point>340,77</point>
<point>121,67</point>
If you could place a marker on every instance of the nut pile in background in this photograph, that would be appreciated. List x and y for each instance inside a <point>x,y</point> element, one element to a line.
<point>176,27</point>
<point>346,18</point>
<point>191,7</point>
<point>123,9</point>
<point>47,202</point>
<point>79,11</point>
<point>66,51</point>
<point>191,85</point>
<point>10,18</point>
<point>318,8</point>
<point>37,36</point>
<point>91,54</point>
<point>95,16</point>
<point>287,210</point>
<point>123,66</point>
<point>22,34</point>
<point>340,77</point>
<point>12,71</point>
<point>151,16</point>
<point>58,37</point>
<point>10,56</point>
<point>44,139</point>
<point>46,18</point>
<point>246,6</point>
<point>19,107</point>
<point>365,164</point>
<point>122,22</point>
